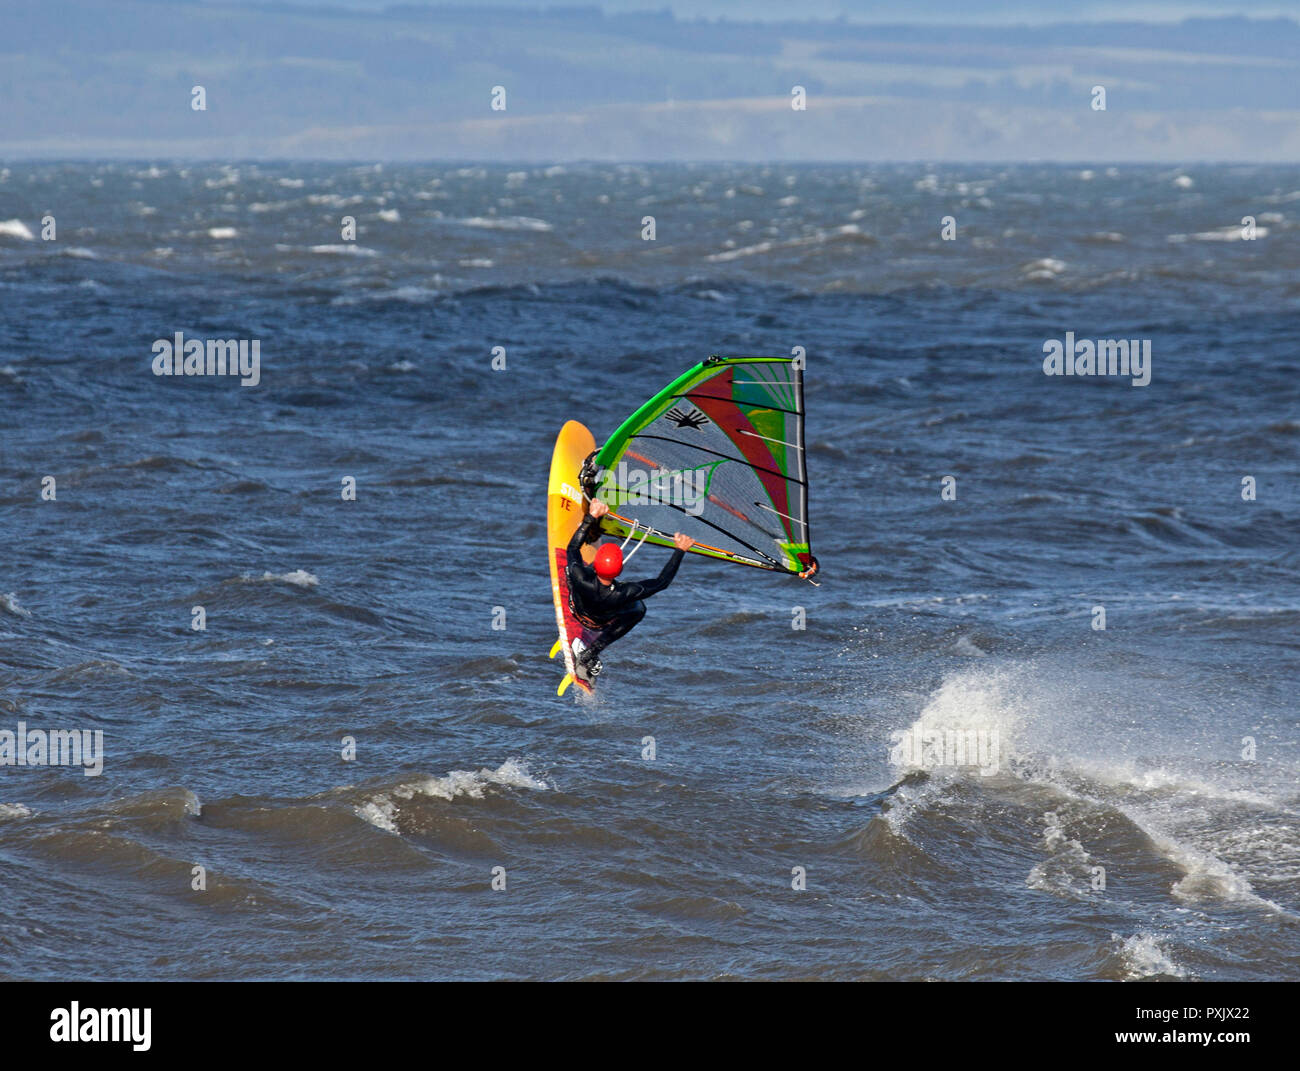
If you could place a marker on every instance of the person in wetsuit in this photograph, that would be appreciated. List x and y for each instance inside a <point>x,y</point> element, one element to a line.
<point>602,603</point>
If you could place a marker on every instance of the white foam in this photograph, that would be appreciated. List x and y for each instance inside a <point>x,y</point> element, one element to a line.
<point>334,200</point>
<point>343,249</point>
<point>966,646</point>
<point>299,577</point>
<point>1143,957</point>
<point>1049,736</point>
<point>976,699</point>
<point>1158,778</point>
<point>16,228</point>
<point>381,810</point>
<point>510,774</point>
<point>1176,813</point>
<point>1043,268</point>
<point>1069,865</point>
<point>1230,233</point>
<point>11,811</point>
<point>506,223</point>
<point>821,237</point>
<point>907,799</point>
<point>1205,877</point>
<point>380,813</point>
<point>9,603</point>
<point>413,294</point>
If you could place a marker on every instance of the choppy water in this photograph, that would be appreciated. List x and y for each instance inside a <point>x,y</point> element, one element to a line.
<point>1120,749</point>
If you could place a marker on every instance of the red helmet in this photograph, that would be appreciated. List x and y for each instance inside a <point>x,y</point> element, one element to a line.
<point>609,562</point>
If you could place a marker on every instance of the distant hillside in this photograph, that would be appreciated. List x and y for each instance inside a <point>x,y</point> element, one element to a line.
<point>81,78</point>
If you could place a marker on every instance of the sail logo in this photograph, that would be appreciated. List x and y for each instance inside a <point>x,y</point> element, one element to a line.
<point>55,747</point>
<point>76,1023</point>
<point>694,419</point>
<point>178,356</point>
<point>1102,357</point>
<point>684,489</point>
<point>919,748</point>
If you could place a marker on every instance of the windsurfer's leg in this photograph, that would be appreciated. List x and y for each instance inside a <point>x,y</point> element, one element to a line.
<point>618,627</point>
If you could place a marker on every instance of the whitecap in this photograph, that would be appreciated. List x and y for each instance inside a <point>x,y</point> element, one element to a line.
<point>1143,957</point>
<point>382,809</point>
<point>299,578</point>
<point>16,228</point>
<point>9,603</point>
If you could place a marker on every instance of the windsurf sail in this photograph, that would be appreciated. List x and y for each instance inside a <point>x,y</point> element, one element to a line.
<point>717,454</point>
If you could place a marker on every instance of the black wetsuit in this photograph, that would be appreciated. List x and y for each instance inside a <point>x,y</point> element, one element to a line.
<point>613,609</point>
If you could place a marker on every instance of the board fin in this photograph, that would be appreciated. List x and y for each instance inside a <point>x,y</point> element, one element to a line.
<point>564,684</point>
<point>559,642</point>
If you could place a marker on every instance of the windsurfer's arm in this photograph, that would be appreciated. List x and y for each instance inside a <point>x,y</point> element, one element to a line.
<point>646,588</point>
<point>580,536</point>
<point>588,531</point>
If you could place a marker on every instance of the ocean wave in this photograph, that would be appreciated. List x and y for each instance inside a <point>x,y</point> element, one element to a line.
<point>9,604</point>
<point>343,249</point>
<point>1045,269</point>
<point>10,812</point>
<point>1230,233</point>
<point>381,810</point>
<point>1143,956</point>
<point>298,578</point>
<point>849,232</point>
<point>1068,868</point>
<point>505,223</point>
<point>16,228</point>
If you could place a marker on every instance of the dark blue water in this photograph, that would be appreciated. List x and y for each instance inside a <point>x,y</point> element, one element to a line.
<point>1141,819</point>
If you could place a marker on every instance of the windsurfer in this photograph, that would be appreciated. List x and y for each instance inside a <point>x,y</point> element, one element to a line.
<point>609,607</point>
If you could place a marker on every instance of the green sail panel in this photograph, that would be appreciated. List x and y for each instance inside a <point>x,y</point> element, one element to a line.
<point>717,454</point>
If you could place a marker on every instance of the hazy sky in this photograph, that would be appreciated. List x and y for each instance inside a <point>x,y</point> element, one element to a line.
<point>945,11</point>
<point>349,80</point>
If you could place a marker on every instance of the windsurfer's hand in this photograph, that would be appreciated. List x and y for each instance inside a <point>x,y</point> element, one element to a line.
<point>811,570</point>
<point>683,542</point>
<point>598,508</point>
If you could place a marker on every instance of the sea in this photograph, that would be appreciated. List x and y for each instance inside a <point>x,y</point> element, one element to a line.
<point>275,700</point>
